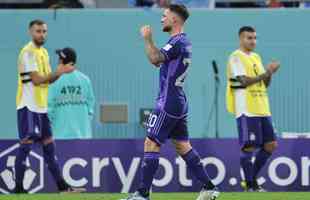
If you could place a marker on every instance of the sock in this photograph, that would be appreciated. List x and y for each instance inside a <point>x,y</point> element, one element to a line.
<point>20,164</point>
<point>193,162</point>
<point>149,167</point>
<point>261,158</point>
<point>51,161</point>
<point>247,166</point>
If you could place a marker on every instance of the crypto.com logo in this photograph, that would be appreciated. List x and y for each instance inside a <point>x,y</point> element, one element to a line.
<point>7,171</point>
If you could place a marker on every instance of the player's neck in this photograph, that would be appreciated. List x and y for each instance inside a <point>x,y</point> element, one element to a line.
<point>176,31</point>
<point>246,51</point>
<point>36,45</point>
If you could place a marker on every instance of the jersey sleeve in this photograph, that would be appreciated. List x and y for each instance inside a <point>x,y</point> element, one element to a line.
<point>171,50</point>
<point>29,62</point>
<point>236,67</point>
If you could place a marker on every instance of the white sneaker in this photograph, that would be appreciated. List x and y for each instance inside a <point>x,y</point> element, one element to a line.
<point>208,194</point>
<point>136,196</point>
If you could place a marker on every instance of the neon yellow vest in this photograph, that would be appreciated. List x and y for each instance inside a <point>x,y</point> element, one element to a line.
<point>256,95</point>
<point>42,59</point>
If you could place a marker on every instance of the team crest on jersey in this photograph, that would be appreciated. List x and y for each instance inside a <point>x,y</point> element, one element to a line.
<point>167,47</point>
<point>36,130</point>
<point>252,136</point>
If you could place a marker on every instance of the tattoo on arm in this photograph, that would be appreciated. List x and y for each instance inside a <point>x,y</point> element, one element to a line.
<point>153,53</point>
<point>247,81</point>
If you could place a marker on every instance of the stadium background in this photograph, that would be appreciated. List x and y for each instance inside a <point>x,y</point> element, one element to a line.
<point>111,53</point>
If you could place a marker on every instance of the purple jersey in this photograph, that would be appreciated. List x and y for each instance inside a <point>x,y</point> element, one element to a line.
<point>172,98</point>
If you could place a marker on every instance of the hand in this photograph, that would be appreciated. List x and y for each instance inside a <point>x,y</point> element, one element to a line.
<point>273,66</point>
<point>146,32</point>
<point>64,69</point>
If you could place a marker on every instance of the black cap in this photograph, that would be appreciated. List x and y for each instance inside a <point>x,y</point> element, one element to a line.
<point>67,55</point>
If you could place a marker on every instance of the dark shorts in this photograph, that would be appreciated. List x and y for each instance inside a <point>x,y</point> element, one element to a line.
<point>255,130</point>
<point>34,126</point>
<point>161,126</point>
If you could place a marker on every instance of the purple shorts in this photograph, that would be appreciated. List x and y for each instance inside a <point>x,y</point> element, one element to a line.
<point>161,126</point>
<point>255,130</point>
<point>31,125</point>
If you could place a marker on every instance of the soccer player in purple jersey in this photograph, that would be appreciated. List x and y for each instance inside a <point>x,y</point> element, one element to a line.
<point>169,119</point>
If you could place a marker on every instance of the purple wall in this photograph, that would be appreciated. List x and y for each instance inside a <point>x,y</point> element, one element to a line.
<point>113,166</point>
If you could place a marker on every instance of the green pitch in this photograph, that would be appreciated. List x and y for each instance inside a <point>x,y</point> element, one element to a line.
<point>163,196</point>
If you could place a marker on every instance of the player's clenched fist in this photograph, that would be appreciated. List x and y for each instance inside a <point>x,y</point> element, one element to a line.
<point>273,66</point>
<point>146,32</point>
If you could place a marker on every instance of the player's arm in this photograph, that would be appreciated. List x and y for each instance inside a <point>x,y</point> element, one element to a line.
<point>155,56</point>
<point>267,81</point>
<point>31,69</point>
<point>37,79</point>
<point>246,81</point>
<point>265,77</point>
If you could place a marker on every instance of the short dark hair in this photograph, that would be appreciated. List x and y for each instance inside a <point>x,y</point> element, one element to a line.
<point>180,10</point>
<point>246,29</point>
<point>36,22</point>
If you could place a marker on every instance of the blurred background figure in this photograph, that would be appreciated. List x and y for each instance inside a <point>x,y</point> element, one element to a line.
<point>62,4</point>
<point>274,4</point>
<point>71,101</point>
<point>161,3</point>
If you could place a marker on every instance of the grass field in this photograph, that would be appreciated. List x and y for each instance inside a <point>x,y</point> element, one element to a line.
<point>163,196</point>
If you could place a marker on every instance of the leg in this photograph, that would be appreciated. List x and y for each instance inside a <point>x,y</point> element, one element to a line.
<point>159,126</point>
<point>180,139</point>
<point>20,163</point>
<point>193,161</point>
<point>249,129</point>
<point>49,154</point>
<point>270,144</point>
<point>27,121</point>
<point>262,156</point>
<point>149,166</point>
<point>246,156</point>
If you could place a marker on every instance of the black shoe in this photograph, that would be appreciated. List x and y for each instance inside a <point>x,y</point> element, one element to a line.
<point>20,190</point>
<point>258,188</point>
<point>64,187</point>
<point>73,190</point>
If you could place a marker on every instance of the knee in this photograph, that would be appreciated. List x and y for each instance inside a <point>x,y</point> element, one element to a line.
<point>182,147</point>
<point>47,141</point>
<point>151,146</point>
<point>271,146</point>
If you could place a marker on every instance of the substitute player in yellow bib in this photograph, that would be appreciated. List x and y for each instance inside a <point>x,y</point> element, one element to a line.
<point>247,99</point>
<point>34,76</point>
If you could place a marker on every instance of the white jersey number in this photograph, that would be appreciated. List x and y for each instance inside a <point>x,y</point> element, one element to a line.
<point>180,80</point>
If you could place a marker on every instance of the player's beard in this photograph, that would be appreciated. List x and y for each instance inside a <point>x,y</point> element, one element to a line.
<point>39,42</point>
<point>251,48</point>
<point>167,28</point>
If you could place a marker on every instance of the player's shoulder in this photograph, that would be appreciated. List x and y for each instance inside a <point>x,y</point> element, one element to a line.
<point>236,52</point>
<point>26,48</point>
<point>256,55</point>
<point>234,55</point>
<point>180,39</point>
